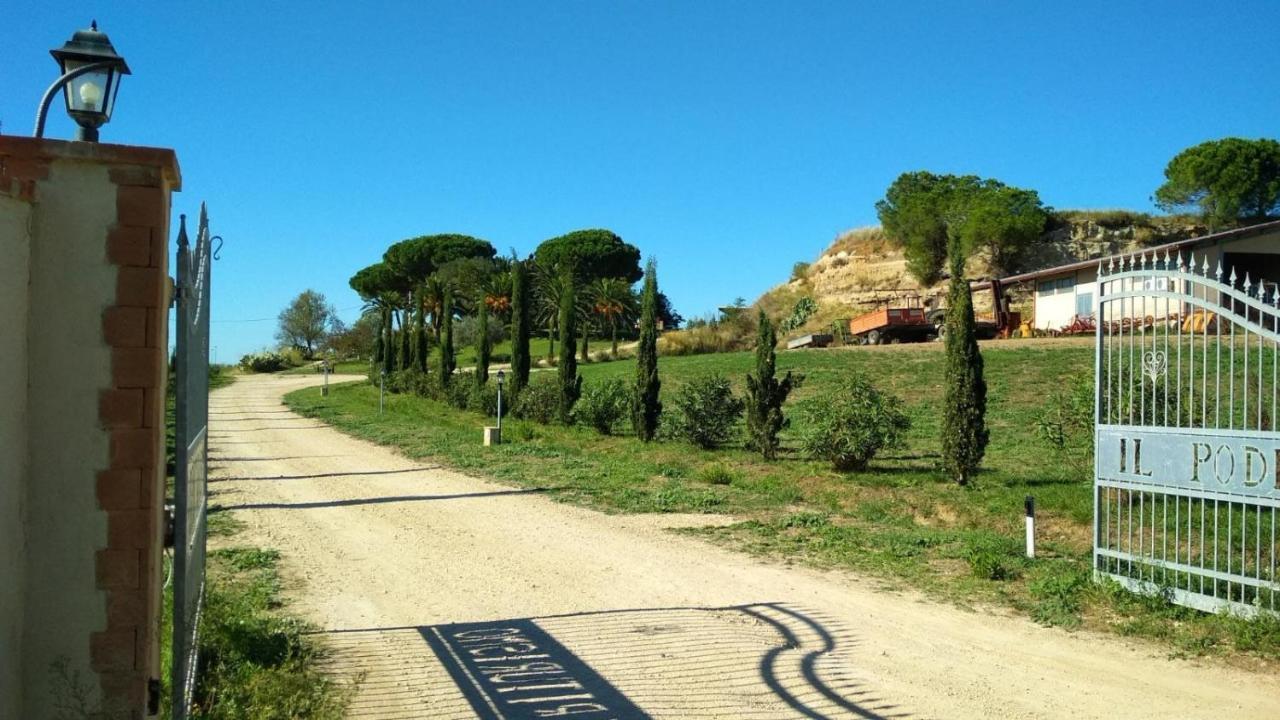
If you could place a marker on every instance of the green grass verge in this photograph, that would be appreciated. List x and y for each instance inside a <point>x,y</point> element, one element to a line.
<point>900,521</point>
<point>256,662</point>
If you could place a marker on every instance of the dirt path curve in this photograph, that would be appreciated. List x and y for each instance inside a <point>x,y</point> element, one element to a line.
<point>462,598</point>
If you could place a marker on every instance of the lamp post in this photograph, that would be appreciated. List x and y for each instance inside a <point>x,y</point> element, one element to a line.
<point>91,72</point>
<point>502,376</point>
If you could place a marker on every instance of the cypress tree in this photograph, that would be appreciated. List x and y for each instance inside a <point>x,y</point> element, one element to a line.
<point>964,431</point>
<point>388,349</point>
<point>482,342</point>
<point>645,407</point>
<point>420,336</point>
<point>446,337</point>
<point>765,394</point>
<point>519,326</point>
<point>570,380</point>
<point>405,360</point>
<point>378,343</point>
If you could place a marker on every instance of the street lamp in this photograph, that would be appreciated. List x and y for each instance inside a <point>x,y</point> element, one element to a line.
<point>90,80</point>
<point>502,376</point>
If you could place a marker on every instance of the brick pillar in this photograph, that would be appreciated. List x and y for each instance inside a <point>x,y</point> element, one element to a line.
<point>131,489</point>
<point>85,438</point>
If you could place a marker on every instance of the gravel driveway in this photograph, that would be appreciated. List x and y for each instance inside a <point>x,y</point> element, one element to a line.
<point>457,597</point>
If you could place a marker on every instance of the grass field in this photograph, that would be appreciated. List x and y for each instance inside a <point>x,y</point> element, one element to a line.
<point>900,522</point>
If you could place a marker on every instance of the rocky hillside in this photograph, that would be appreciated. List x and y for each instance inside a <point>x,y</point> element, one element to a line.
<point>862,269</point>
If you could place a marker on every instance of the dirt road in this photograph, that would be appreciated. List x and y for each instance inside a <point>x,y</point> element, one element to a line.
<point>461,598</point>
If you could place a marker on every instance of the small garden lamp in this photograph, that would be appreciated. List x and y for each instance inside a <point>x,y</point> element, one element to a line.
<point>91,72</point>
<point>502,376</point>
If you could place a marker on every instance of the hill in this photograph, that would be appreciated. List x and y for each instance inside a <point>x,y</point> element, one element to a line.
<point>863,269</point>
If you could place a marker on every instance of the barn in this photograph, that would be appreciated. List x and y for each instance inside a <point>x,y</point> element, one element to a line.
<point>1062,293</point>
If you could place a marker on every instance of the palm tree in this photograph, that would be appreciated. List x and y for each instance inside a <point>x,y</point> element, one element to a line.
<point>614,302</point>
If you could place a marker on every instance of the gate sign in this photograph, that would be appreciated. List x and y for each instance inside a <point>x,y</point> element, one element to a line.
<point>1186,447</point>
<point>1208,463</point>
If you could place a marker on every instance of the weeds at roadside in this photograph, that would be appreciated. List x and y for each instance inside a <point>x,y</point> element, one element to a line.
<point>255,662</point>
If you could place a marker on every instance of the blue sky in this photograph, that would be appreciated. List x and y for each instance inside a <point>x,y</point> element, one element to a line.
<point>728,140</point>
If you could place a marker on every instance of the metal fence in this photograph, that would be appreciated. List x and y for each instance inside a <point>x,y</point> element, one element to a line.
<point>1187,461</point>
<point>191,390</point>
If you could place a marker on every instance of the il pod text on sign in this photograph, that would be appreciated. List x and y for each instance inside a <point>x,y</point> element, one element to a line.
<point>1238,464</point>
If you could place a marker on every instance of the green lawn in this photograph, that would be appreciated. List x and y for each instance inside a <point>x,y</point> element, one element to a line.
<point>900,522</point>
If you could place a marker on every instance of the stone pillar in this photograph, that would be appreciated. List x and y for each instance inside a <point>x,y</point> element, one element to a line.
<point>85,502</point>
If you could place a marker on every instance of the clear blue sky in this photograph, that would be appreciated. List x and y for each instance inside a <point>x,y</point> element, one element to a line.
<point>728,140</point>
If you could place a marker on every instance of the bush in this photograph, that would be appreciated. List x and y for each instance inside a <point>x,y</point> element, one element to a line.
<point>719,474</point>
<point>539,401</point>
<point>704,412</point>
<point>483,399</point>
<point>603,404</point>
<point>799,271</point>
<point>848,426</point>
<point>993,557</point>
<point>804,308</point>
<point>458,394</point>
<point>264,362</point>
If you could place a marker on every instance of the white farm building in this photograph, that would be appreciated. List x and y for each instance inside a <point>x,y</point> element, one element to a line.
<point>1062,293</point>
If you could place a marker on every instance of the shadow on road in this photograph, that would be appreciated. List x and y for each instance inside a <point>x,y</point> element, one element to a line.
<point>366,501</point>
<point>761,661</point>
<point>360,473</point>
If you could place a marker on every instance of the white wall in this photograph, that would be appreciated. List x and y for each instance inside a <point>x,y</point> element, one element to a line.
<point>15,217</point>
<point>71,285</point>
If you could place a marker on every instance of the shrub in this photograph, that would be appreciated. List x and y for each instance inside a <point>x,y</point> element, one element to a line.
<point>264,362</point>
<point>804,308</point>
<point>704,411</point>
<point>719,474</point>
<point>603,404</point>
<point>483,399</point>
<point>458,394</point>
<point>849,425</point>
<point>993,557</point>
<point>799,271</point>
<point>539,401</point>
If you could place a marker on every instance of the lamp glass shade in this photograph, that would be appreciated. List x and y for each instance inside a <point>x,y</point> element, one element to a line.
<point>90,97</point>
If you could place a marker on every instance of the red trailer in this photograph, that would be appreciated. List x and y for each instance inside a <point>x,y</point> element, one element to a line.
<point>907,324</point>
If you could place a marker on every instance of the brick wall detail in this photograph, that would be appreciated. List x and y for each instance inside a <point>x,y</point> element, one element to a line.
<point>131,410</point>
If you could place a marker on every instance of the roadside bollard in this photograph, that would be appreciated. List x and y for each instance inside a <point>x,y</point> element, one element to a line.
<point>324,392</point>
<point>1030,506</point>
<point>382,391</point>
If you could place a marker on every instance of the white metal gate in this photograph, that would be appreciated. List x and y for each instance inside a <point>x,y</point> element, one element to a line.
<point>1187,453</point>
<point>191,457</point>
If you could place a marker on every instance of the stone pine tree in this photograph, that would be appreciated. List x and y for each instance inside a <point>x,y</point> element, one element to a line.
<point>570,380</point>
<point>388,349</point>
<point>482,342</point>
<point>766,393</point>
<point>645,407</point>
<point>446,337</point>
<point>420,347</point>
<point>519,326</point>
<point>964,431</point>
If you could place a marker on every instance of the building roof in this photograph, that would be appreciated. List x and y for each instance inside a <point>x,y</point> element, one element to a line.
<point>1225,236</point>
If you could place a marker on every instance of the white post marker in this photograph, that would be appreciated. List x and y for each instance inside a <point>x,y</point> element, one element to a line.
<point>1030,504</point>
